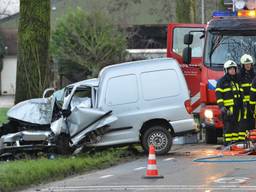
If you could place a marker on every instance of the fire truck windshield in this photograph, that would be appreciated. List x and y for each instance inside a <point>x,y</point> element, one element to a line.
<point>221,47</point>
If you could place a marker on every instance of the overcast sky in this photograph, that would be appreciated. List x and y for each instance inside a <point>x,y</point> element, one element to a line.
<point>9,7</point>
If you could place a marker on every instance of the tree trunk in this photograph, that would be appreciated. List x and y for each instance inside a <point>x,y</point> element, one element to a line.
<point>33,43</point>
<point>183,11</point>
<point>193,11</point>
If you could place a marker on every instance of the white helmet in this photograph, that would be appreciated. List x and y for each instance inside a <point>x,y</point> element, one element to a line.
<point>246,59</point>
<point>228,64</point>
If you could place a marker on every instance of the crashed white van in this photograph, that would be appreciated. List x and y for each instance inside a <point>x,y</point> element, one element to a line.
<point>135,102</point>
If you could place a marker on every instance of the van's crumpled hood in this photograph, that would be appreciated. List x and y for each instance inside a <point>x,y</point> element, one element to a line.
<point>36,111</point>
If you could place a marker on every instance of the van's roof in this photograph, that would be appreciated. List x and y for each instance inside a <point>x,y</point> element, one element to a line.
<point>150,64</point>
<point>89,82</point>
<point>133,66</point>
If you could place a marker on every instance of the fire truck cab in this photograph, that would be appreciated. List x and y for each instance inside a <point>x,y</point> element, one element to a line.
<point>202,50</point>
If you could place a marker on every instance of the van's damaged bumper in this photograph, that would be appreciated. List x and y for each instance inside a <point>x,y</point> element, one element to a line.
<point>82,133</point>
<point>26,141</point>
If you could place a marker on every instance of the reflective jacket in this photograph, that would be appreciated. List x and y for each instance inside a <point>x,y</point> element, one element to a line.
<point>253,96</point>
<point>229,94</point>
<point>245,80</point>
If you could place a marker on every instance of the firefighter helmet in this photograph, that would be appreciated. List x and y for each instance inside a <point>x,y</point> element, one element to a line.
<point>228,64</point>
<point>246,59</point>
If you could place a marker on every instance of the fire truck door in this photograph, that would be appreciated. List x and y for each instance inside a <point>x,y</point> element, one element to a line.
<point>175,46</point>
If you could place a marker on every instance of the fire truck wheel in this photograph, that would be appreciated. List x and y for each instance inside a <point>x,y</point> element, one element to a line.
<point>160,137</point>
<point>210,135</point>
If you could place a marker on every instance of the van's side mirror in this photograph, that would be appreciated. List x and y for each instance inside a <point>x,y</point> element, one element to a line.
<point>188,39</point>
<point>187,55</point>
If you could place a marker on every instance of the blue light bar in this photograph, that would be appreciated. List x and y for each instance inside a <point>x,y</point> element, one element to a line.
<point>223,13</point>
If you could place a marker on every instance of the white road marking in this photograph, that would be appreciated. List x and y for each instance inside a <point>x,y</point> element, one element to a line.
<point>151,188</point>
<point>168,159</point>
<point>231,180</point>
<point>139,168</point>
<point>106,176</point>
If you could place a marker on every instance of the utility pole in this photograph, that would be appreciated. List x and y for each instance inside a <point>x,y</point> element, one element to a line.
<point>202,11</point>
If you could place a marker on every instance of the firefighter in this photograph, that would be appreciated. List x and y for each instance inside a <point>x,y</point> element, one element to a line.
<point>245,77</point>
<point>229,100</point>
<point>253,100</point>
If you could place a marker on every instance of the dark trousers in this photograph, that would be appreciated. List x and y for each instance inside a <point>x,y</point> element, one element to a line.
<point>231,128</point>
<point>230,132</point>
<point>247,123</point>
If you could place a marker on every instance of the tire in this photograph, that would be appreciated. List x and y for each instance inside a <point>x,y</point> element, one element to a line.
<point>62,145</point>
<point>210,135</point>
<point>160,137</point>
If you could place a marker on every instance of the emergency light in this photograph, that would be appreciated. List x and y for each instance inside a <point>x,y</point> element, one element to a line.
<point>246,13</point>
<point>241,8</point>
<point>223,13</point>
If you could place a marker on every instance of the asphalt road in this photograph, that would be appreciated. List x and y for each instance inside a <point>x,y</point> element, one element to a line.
<point>179,171</point>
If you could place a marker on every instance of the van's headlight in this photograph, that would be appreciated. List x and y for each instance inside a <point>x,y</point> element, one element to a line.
<point>208,114</point>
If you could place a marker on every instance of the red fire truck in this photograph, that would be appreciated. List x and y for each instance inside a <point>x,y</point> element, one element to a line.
<point>201,51</point>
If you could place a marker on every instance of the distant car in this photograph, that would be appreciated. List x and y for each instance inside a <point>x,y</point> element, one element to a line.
<point>135,102</point>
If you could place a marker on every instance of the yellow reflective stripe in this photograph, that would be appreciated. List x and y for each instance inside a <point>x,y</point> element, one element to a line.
<point>228,102</point>
<point>246,100</point>
<point>220,101</point>
<point>246,84</point>
<point>242,133</point>
<point>234,134</point>
<point>253,89</point>
<point>241,89</point>
<point>254,111</point>
<point>228,139</point>
<point>223,90</point>
<point>239,116</point>
<point>228,135</point>
<point>252,102</point>
<point>235,138</point>
<point>245,114</point>
<point>231,110</point>
<point>241,138</point>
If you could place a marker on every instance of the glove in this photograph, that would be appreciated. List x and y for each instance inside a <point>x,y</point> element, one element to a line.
<point>225,111</point>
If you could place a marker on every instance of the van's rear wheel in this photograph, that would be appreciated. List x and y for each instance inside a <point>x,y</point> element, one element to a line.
<point>158,136</point>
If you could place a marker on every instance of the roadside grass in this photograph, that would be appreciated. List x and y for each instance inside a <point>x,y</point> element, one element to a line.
<point>16,175</point>
<point>3,116</point>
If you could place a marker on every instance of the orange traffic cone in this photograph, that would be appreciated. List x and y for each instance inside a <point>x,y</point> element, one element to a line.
<point>152,172</point>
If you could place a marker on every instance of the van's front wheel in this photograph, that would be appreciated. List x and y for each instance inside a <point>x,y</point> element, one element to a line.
<point>158,136</point>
